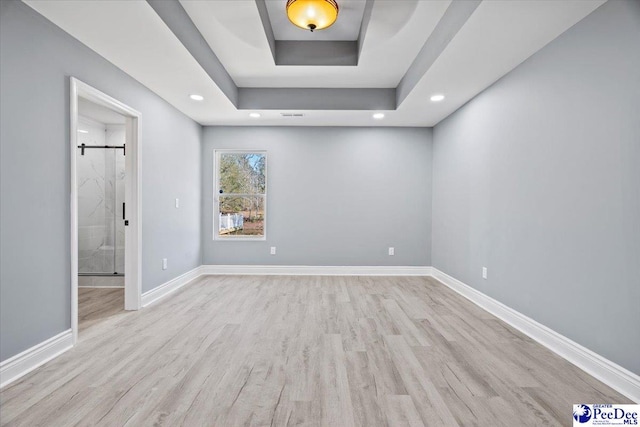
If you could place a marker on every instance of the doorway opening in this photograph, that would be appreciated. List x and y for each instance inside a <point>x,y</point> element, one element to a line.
<point>105,207</point>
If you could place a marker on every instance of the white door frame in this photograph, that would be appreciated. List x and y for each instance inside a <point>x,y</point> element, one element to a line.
<point>132,184</point>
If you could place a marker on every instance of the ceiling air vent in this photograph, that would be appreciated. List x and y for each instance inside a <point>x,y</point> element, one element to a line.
<point>292,114</point>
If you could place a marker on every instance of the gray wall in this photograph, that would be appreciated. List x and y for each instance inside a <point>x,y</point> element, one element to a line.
<point>36,60</point>
<point>538,179</point>
<point>336,196</point>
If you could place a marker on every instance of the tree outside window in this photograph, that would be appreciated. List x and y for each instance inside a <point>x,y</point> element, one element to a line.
<point>241,194</point>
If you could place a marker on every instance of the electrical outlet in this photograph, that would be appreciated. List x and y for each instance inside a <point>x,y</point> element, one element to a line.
<point>273,250</point>
<point>164,263</point>
<point>484,272</point>
<point>392,251</point>
<point>177,203</point>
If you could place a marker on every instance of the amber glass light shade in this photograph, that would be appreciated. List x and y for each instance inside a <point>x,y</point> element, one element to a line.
<point>312,14</point>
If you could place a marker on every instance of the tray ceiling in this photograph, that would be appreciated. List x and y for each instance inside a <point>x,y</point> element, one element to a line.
<point>407,50</point>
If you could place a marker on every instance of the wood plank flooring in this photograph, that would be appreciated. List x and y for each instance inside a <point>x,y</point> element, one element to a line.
<point>303,351</point>
<point>96,305</point>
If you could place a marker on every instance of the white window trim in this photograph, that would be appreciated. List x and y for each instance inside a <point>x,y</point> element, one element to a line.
<point>216,196</point>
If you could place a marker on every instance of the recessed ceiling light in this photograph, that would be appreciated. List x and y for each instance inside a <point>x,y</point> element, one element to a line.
<point>437,98</point>
<point>196,97</point>
<point>254,115</point>
<point>378,116</point>
<point>83,131</point>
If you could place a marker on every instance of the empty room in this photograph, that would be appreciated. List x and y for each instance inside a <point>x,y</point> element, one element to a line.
<point>319,213</point>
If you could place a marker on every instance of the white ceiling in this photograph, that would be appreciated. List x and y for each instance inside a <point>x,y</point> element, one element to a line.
<point>499,35</point>
<point>347,28</point>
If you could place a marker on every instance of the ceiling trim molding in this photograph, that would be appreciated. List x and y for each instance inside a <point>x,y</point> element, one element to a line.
<point>316,99</point>
<point>178,21</point>
<point>456,15</point>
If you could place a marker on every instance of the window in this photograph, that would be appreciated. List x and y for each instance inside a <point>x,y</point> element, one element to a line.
<point>240,195</point>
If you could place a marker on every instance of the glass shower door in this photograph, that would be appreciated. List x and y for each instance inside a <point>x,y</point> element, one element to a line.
<point>100,199</point>
<point>116,137</point>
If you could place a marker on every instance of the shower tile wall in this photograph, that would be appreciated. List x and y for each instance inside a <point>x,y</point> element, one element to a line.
<point>100,197</point>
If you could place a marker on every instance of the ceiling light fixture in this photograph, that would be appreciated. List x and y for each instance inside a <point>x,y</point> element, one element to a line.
<point>196,97</point>
<point>378,116</point>
<point>254,115</point>
<point>83,131</point>
<point>437,98</point>
<point>312,14</point>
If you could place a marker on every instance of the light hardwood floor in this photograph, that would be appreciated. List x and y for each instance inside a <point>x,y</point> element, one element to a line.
<point>330,351</point>
<point>95,305</point>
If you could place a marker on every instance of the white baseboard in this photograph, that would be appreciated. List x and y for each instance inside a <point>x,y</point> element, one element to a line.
<point>172,285</point>
<point>304,270</point>
<point>25,362</point>
<point>613,375</point>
